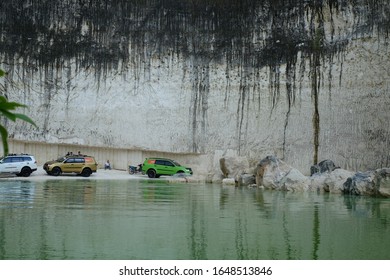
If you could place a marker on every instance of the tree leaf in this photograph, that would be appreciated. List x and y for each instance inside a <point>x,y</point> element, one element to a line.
<point>5,105</point>
<point>25,118</point>
<point>5,108</point>
<point>4,137</point>
<point>8,115</point>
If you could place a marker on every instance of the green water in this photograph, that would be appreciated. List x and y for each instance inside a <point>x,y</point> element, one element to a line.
<point>96,219</point>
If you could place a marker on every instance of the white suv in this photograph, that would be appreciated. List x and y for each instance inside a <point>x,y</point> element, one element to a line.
<point>21,165</point>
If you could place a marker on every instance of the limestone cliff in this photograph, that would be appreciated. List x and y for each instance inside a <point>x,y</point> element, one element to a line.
<point>302,80</point>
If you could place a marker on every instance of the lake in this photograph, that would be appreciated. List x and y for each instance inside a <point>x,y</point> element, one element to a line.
<point>87,219</point>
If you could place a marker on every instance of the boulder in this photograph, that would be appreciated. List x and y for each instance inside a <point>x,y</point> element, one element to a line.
<point>214,178</point>
<point>295,180</point>
<point>273,173</point>
<point>359,184</point>
<point>330,181</point>
<point>382,181</point>
<point>233,166</point>
<point>245,180</point>
<point>373,183</point>
<point>229,181</point>
<point>322,167</point>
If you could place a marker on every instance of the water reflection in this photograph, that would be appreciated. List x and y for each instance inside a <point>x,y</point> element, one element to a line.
<point>70,193</point>
<point>160,191</point>
<point>16,194</point>
<point>316,232</point>
<point>197,240</point>
<point>93,219</point>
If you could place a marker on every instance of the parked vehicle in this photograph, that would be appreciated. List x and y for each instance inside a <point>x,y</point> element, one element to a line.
<point>79,164</point>
<point>156,167</point>
<point>135,169</point>
<point>19,164</point>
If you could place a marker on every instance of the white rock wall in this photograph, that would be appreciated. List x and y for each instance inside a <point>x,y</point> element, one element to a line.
<point>164,108</point>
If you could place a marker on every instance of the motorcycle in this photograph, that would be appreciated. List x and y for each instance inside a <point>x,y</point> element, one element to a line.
<point>135,169</point>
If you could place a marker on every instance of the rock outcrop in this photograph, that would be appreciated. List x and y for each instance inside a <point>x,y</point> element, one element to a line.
<point>331,182</point>
<point>233,166</point>
<point>236,171</point>
<point>382,181</point>
<point>323,166</point>
<point>273,173</point>
<point>373,183</point>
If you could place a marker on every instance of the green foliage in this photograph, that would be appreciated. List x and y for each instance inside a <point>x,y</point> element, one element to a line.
<point>6,109</point>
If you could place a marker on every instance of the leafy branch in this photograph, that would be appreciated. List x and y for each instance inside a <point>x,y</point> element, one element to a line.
<point>6,109</point>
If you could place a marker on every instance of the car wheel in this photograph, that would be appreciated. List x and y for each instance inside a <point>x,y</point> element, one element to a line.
<point>26,171</point>
<point>56,171</point>
<point>86,172</point>
<point>151,173</point>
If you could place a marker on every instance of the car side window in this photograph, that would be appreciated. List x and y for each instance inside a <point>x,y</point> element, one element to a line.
<point>27,159</point>
<point>16,159</point>
<point>79,160</point>
<point>7,160</point>
<point>160,162</point>
<point>168,163</point>
<point>70,160</point>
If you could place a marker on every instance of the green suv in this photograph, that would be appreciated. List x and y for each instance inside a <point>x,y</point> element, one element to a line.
<point>155,167</point>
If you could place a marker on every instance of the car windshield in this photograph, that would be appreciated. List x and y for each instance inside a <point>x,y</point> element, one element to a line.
<point>176,163</point>
<point>61,159</point>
